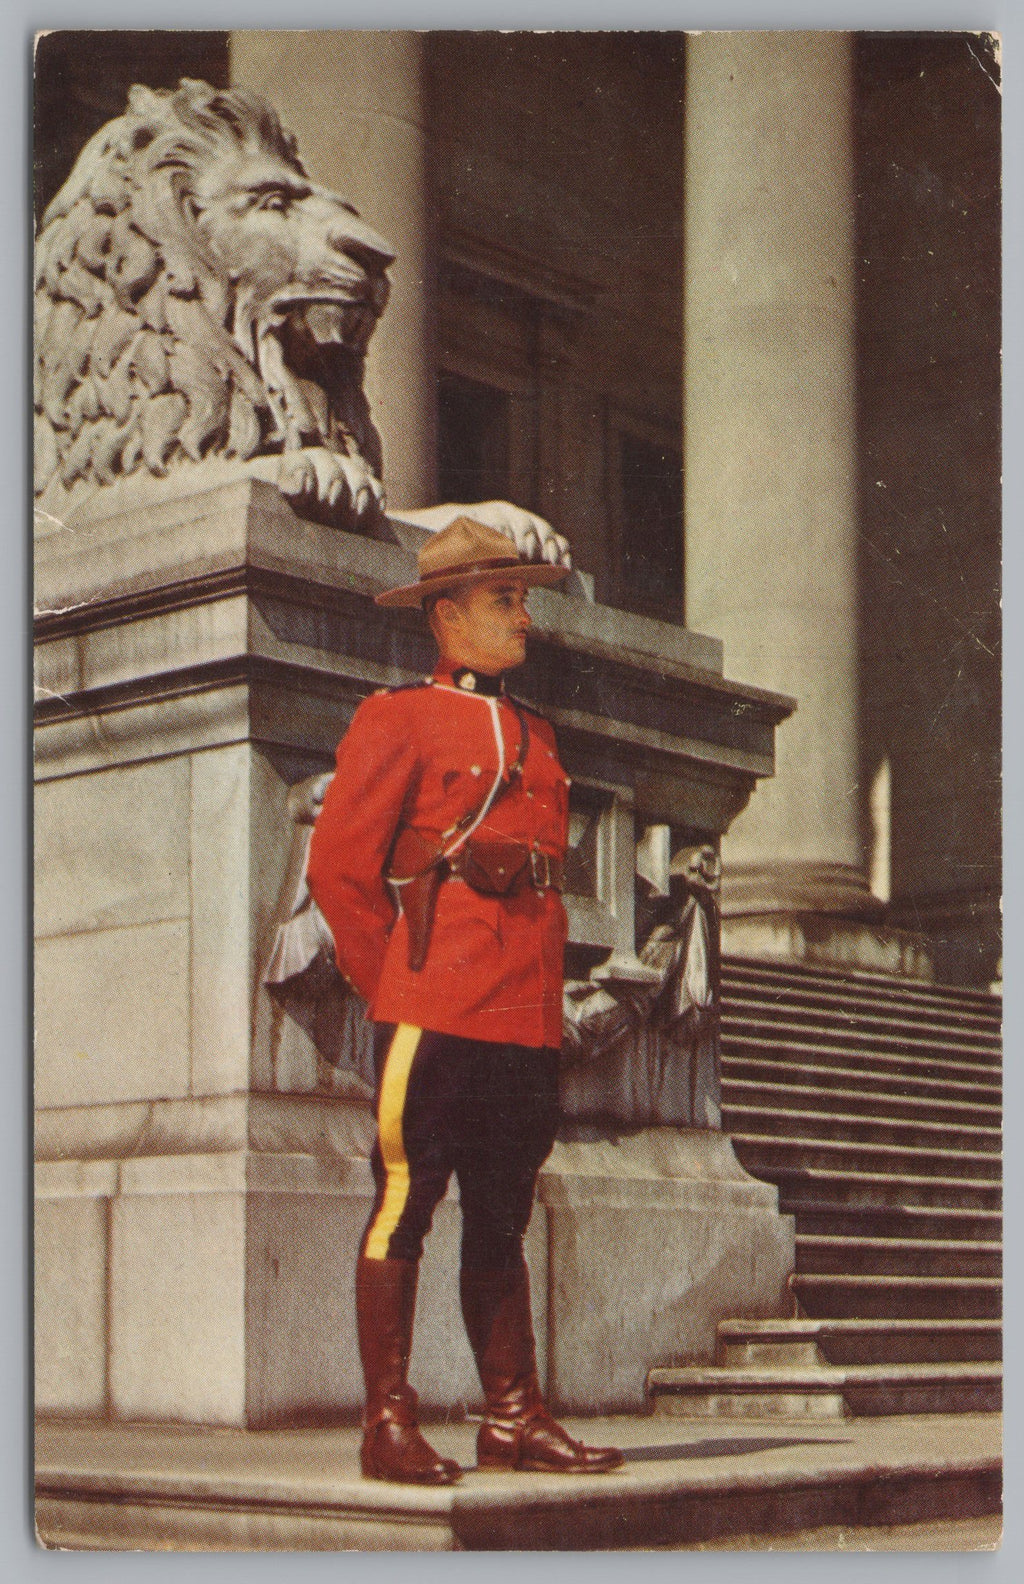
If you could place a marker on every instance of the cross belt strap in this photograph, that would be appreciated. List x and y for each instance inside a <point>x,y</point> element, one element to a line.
<point>493,866</point>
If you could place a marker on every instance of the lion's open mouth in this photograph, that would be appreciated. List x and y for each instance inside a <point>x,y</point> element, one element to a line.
<point>318,323</point>
<point>316,339</point>
<point>329,324</point>
<point>307,349</point>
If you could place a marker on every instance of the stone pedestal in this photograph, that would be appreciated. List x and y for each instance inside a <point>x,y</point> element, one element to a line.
<point>202,1178</point>
<point>770,462</point>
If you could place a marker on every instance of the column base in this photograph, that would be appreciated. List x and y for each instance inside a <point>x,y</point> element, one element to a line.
<point>796,887</point>
<point>816,941</point>
<point>817,914</point>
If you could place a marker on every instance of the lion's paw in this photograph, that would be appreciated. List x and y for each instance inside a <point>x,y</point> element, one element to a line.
<point>322,481</point>
<point>532,535</point>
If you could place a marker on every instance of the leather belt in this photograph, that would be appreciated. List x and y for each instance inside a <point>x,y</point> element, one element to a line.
<point>501,867</point>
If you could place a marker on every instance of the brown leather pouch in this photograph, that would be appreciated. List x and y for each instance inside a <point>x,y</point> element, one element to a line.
<point>491,866</point>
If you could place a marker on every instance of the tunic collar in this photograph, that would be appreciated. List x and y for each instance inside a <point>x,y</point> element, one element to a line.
<point>468,681</point>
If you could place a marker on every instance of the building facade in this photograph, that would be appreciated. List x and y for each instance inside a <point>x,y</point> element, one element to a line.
<point>725,309</point>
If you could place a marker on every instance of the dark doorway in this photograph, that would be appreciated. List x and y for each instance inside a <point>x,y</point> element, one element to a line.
<point>473,440</point>
<point>651,482</point>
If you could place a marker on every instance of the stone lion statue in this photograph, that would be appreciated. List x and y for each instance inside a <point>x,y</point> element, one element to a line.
<point>199,299</point>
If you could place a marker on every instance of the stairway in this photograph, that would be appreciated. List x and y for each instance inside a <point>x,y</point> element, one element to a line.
<point>874,1105</point>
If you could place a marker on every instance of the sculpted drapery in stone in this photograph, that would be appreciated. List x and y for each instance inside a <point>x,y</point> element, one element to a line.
<point>647,1052</point>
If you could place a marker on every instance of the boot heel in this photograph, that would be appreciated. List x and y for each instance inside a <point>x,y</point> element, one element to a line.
<point>497,1447</point>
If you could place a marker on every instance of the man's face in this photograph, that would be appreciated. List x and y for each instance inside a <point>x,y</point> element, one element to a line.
<point>485,627</point>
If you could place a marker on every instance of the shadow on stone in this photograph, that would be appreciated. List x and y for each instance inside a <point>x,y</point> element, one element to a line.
<point>727,1446</point>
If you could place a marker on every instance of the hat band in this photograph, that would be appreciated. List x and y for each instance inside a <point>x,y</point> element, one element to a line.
<point>468,568</point>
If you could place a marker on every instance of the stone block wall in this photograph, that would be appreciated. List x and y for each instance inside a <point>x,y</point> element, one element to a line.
<point>202,1176</point>
<point>143,933</point>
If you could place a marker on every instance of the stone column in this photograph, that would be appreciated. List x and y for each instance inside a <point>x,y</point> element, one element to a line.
<point>769,440</point>
<point>357,103</point>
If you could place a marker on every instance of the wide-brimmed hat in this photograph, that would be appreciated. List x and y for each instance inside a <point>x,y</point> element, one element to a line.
<point>469,552</point>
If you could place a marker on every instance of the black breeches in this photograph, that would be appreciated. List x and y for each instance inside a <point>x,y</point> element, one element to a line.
<point>486,1112</point>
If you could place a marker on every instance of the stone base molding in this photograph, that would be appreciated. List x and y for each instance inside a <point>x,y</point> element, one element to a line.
<point>819,941</point>
<point>218,1289</point>
<point>816,914</point>
<point>798,886</point>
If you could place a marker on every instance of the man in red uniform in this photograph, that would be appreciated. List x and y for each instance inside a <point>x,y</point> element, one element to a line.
<point>437,862</point>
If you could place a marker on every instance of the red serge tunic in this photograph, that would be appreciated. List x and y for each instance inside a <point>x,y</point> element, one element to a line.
<point>428,756</point>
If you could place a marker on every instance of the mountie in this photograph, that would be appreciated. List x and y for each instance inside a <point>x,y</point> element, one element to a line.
<point>437,861</point>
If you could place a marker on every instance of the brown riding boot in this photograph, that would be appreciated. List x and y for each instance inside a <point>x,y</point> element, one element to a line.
<point>517,1432</point>
<point>393,1448</point>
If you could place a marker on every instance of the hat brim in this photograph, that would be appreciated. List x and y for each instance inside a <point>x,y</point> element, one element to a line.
<point>535,574</point>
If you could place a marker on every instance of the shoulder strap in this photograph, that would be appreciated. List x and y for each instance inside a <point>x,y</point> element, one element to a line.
<point>519,704</point>
<point>405,687</point>
<point>452,837</point>
<point>524,741</point>
<point>474,816</point>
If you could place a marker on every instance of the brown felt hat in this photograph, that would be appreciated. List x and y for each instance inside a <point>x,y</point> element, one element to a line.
<point>469,552</point>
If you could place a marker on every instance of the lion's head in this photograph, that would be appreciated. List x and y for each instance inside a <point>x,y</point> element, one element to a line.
<point>197,295</point>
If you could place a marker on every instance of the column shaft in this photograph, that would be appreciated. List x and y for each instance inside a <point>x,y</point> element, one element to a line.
<point>356,101</point>
<point>770,438</point>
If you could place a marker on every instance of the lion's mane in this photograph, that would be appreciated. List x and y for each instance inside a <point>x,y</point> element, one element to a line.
<point>138,365</point>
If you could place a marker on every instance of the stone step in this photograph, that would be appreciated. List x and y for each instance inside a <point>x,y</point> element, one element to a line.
<point>774,1123</point>
<point>881,1033</point>
<point>848,1019</point>
<point>854,1011</point>
<point>827,1218</point>
<point>123,1487</point>
<point>795,1097</point>
<point>746,1028</point>
<point>892,1033</point>
<point>715,1392</point>
<point>797,1056</point>
<point>827,1391</point>
<point>875,1087</point>
<point>763,1157</point>
<point>799,1185</point>
<point>952,1388</point>
<point>888,1341</point>
<point>837,995</point>
<point>864,1297</point>
<point>837,1255</point>
<point>832,982</point>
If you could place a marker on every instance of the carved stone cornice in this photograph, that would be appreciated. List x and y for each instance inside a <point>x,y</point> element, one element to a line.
<point>221,617</point>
